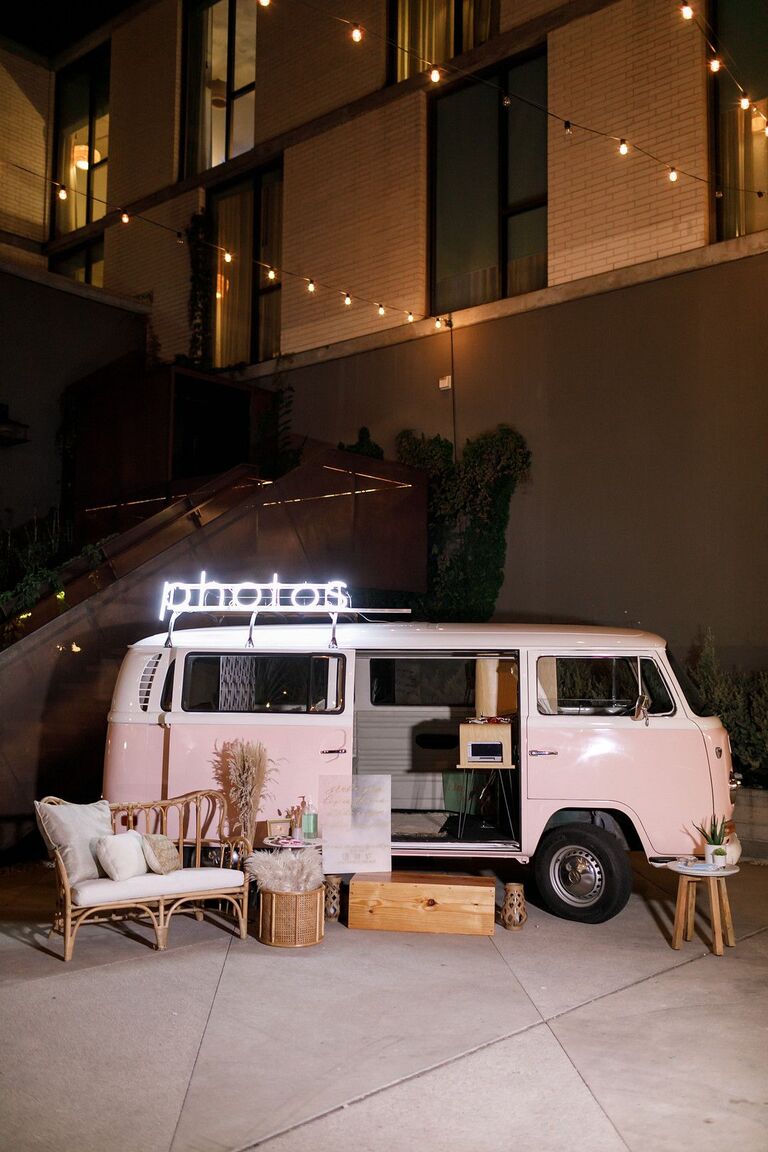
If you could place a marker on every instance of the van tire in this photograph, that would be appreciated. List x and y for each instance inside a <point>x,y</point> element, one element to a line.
<point>582,873</point>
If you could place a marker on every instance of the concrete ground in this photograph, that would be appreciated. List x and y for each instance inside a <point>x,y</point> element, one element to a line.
<point>552,1038</point>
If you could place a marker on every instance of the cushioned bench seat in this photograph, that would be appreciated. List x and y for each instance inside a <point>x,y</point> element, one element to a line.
<point>151,886</point>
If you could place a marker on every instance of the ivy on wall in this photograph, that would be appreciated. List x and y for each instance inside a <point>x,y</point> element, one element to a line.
<point>199,238</point>
<point>468,512</point>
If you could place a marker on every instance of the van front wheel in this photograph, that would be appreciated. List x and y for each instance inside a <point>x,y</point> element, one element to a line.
<point>582,873</point>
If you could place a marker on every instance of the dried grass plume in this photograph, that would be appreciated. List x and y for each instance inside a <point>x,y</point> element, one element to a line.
<point>300,871</point>
<point>244,770</point>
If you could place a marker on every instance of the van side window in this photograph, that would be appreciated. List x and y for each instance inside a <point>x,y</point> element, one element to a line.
<point>263,683</point>
<point>167,693</point>
<point>599,686</point>
<point>423,683</point>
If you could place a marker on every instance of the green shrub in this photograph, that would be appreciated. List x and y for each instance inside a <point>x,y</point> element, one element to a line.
<point>740,699</point>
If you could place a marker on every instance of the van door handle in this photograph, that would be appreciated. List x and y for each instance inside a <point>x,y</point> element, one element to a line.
<point>541,752</point>
<point>332,751</point>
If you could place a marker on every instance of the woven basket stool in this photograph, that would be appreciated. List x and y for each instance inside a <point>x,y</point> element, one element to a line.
<point>291,919</point>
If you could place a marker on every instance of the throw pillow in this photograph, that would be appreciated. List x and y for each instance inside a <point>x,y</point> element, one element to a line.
<point>161,854</point>
<point>74,830</point>
<point>121,856</point>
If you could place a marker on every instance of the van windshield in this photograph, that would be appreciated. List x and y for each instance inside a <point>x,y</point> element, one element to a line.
<point>695,699</point>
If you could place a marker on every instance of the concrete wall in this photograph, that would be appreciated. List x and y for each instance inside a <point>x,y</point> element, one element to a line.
<point>48,339</point>
<point>645,410</point>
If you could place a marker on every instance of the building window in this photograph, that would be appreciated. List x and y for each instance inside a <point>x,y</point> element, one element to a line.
<point>220,82</point>
<point>82,141</point>
<point>84,264</point>
<point>489,188</point>
<point>248,225</point>
<point>432,31</point>
<point>741,144</point>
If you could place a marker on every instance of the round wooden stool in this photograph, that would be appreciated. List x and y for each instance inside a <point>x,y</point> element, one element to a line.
<point>689,875</point>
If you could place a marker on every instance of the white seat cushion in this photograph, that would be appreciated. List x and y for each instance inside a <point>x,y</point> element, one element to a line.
<point>151,885</point>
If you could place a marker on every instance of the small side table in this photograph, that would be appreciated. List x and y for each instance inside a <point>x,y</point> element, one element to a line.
<point>685,908</point>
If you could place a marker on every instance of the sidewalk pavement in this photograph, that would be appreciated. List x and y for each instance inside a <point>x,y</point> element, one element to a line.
<point>556,1037</point>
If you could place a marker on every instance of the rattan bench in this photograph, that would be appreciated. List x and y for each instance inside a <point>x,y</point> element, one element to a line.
<point>196,823</point>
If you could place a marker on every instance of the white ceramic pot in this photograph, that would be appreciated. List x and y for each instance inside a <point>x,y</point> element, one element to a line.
<point>732,849</point>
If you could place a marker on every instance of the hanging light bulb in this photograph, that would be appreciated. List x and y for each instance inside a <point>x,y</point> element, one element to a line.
<point>125,218</point>
<point>745,102</point>
<point>410,317</point>
<point>271,274</point>
<point>438,322</point>
<point>686,12</point>
<point>435,75</point>
<point>356,33</point>
<point>227,257</point>
<point>715,64</point>
<point>347,299</point>
<point>568,127</point>
<point>264,3</point>
<point>62,192</point>
<point>179,238</point>
<point>381,309</point>
<point>623,147</point>
<point>310,286</point>
<point>673,174</point>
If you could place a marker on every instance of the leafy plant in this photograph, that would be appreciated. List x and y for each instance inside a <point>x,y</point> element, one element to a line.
<point>740,699</point>
<point>714,831</point>
<point>199,236</point>
<point>468,512</point>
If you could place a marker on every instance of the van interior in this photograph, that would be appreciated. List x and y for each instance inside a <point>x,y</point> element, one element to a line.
<point>453,783</point>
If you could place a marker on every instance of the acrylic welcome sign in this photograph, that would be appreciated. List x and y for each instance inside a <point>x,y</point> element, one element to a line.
<point>356,823</point>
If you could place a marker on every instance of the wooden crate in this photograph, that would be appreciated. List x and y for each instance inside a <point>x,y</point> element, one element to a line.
<point>422,902</point>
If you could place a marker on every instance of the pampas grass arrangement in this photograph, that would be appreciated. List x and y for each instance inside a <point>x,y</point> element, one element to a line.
<point>300,871</point>
<point>248,771</point>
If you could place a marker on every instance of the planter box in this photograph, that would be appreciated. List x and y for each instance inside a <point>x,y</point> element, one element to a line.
<point>423,902</point>
<point>751,817</point>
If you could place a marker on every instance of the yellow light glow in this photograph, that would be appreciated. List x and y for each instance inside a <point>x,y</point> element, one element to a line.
<point>271,274</point>
<point>227,257</point>
<point>347,299</point>
<point>76,647</point>
<point>438,323</point>
<point>745,102</point>
<point>357,33</point>
<point>381,309</point>
<point>623,148</point>
<point>125,217</point>
<point>686,12</point>
<point>264,3</point>
<point>435,75</point>
<point>60,594</point>
<point>62,193</point>
<point>715,65</point>
<point>410,317</point>
<point>310,286</point>
<point>673,174</point>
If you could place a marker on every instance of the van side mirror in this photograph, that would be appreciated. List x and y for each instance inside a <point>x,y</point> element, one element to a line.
<point>642,705</point>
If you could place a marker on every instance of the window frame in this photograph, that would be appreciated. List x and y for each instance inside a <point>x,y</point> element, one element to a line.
<point>95,63</point>
<point>232,94</point>
<point>293,714</point>
<point>601,716</point>
<point>499,73</point>
<point>259,290</point>
<point>394,40</point>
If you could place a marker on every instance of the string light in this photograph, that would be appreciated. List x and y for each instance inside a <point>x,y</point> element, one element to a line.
<point>438,322</point>
<point>356,33</point>
<point>410,317</point>
<point>227,257</point>
<point>310,286</point>
<point>271,274</point>
<point>435,75</point>
<point>125,218</point>
<point>673,174</point>
<point>745,102</point>
<point>686,12</point>
<point>62,192</point>
<point>715,64</point>
<point>568,127</point>
<point>347,299</point>
<point>179,238</point>
<point>264,3</point>
<point>623,147</point>
<point>381,310</point>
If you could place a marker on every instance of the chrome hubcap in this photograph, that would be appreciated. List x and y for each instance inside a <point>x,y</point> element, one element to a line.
<point>577,876</point>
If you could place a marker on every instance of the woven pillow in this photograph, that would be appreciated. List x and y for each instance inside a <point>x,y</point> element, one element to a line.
<point>161,854</point>
<point>121,856</point>
<point>74,830</point>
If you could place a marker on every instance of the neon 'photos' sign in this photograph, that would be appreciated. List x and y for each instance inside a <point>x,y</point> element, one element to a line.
<point>212,596</point>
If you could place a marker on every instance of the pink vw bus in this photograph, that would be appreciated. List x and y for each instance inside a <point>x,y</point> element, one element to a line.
<point>607,747</point>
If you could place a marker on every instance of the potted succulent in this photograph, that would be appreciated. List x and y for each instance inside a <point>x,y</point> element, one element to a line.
<point>714,835</point>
